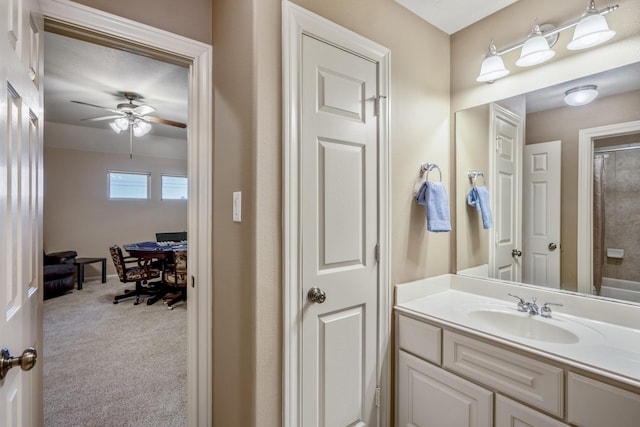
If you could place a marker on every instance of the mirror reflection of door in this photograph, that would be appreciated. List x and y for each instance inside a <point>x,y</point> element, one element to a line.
<point>506,137</point>
<point>541,214</point>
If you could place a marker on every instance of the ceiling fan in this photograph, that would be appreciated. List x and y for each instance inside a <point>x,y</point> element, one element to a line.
<point>134,117</point>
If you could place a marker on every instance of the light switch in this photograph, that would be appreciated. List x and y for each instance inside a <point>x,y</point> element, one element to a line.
<point>237,206</point>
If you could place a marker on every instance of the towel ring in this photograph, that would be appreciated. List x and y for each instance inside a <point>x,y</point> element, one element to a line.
<point>428,167</point>
<point>473,176</point>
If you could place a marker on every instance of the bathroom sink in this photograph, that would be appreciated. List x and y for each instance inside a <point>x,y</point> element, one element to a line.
<point>523,325</point>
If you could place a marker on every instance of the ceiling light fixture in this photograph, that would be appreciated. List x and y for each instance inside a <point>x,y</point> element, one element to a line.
<point>591,30</point>
<point>137,127</point>
<point>581,95</point>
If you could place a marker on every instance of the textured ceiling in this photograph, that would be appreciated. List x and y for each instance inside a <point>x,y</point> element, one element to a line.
<point>81,71</point>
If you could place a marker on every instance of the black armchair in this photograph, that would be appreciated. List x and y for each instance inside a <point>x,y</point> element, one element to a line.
<point>58,273</point>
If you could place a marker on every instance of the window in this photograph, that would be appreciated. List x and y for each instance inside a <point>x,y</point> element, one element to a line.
<point>128,185</point>
<point>174,187</point>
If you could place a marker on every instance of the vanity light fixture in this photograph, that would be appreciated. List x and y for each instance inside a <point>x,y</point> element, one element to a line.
<point>581,95</point>
<point>591,30</point>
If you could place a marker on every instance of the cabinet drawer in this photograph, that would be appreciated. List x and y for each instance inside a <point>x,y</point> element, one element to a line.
<point>430,396</point>
<point>526,379</point>
<point>591,403</point>
<point>420,338</point>
<point>510,413</point>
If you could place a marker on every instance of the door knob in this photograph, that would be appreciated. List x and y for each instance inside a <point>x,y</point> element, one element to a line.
<point>552,246</point>
<point>315,294</point>
<point>515,253</point>
<point>26,361</point>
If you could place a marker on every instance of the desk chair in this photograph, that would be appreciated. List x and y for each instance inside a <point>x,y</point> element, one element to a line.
<point>175,275</point>
<point>137,273</point>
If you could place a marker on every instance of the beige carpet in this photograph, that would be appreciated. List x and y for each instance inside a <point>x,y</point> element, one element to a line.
<point>113,365</point>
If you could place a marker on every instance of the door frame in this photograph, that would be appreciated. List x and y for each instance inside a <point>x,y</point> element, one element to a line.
<point>585,197</point>
<point>297,22</point>
<point>200,167</point>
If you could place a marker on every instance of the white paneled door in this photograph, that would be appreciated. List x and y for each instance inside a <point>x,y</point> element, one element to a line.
<point>339,233</point>
<point>507,161</point>
<point>21,80</point>
<point>541,205</point>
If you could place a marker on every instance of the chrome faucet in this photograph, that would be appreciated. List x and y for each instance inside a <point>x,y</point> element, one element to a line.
<point>533,308</point>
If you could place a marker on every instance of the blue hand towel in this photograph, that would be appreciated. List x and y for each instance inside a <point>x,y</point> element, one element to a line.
<point>479,197</point>
<point>433,195</point>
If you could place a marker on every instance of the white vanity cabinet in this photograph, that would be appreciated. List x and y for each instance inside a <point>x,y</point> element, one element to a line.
<point>458,366</point>
<point>431,390</point>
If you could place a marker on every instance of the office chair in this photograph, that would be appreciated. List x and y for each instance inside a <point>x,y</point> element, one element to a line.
<point>138,273</point>
<point>175,275</point>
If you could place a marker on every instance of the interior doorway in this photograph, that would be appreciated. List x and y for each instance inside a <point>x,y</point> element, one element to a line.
<point>84,87</point>
<point>200,106</point>
<point>586,139</point>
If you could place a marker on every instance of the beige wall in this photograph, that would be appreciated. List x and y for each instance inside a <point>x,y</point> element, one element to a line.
<point>189,18</point>
<point>78,214</point>
<point>563,124</point>
<point>472,153</point>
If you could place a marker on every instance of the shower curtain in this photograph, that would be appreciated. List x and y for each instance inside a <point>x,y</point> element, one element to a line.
<point>598,220</point>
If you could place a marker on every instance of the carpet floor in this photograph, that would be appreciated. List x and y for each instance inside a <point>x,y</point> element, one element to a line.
<point>113,365</point>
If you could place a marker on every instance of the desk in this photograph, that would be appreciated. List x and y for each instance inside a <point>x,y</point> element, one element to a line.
<point>81,262</point>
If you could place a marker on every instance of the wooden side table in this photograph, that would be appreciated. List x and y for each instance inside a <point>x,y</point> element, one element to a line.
<point>81,262</point>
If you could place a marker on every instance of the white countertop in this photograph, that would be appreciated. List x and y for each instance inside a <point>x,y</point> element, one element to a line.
<point>608,349</point>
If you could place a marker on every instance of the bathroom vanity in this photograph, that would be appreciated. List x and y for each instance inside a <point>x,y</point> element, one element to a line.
<point>469,354</point>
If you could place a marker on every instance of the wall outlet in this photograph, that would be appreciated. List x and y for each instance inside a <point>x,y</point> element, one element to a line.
<point>237,206</point>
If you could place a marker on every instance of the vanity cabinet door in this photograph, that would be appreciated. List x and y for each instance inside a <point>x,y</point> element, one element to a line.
<point>591,403</point>
<point>510,413</point>
<point>431,397</point>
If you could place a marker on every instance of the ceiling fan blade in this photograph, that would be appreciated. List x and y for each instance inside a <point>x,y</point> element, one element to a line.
<point>143,110</point>
<point>94,105</point>
<point>165,121</point>
<point>97,119</point>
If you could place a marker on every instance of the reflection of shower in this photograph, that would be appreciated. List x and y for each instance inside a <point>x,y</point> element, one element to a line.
<point>616,220</point>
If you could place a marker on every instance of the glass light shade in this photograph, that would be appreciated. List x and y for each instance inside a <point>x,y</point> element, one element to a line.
<point>492,68</point>
<point>115,127</point>
<point>534,51</point>
<point>592,30</point>
<point>581,95</point>
<point>141,128</point>
<point>122,123</point>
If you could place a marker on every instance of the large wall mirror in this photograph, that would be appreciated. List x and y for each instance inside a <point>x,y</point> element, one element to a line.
<point>526,151</point>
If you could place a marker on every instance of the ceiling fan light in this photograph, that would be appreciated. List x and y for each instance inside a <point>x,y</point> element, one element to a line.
<point>144,126</point>
<point>535,50</point>
<point>122,123</point>
<point>592,30</point>
<point>581,95</point>
<point>115,127</point>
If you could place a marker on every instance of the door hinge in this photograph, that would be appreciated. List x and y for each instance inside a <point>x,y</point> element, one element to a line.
<point>377,104</point>
<point>498,143</point>
<point>377,397</point>
<point>377,252</point>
